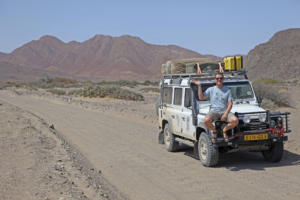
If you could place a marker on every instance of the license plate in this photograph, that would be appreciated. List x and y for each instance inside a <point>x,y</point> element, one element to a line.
<point>256,137</point>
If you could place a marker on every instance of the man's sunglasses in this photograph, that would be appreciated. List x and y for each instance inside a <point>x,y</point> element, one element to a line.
<point>219,78</point>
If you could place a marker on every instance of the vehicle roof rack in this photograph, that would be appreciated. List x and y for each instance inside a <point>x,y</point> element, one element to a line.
<point>208,76</point>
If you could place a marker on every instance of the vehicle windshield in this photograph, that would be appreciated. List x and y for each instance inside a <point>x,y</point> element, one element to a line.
<point>239,90</point>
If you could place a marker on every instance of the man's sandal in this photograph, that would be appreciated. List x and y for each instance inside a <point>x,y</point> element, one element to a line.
<point>214,138</point>
<point>226,139</point>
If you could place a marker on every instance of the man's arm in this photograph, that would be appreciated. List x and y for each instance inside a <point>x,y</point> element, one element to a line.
<point>201,96</point>
<point>227,111</point>
<point>220,67</point>
<point>198,69</point>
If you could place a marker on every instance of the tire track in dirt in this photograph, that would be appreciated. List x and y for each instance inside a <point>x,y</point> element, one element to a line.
<point>127,153</point>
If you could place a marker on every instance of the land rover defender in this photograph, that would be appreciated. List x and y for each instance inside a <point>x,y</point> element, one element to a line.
<point>181,118</point>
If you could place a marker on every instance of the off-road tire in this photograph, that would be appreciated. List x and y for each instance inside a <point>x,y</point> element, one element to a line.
<point>208,153</point>
<point>169,139</point>
<point>196,150</point>
<point>274,154</point>
<point>161,137</point>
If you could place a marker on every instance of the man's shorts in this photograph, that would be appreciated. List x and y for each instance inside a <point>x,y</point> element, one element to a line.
<point>216,115</point>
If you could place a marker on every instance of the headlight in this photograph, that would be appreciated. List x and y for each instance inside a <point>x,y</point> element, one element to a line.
<point>262,117</point>
<point>246,118</point>
<point>272,124</point>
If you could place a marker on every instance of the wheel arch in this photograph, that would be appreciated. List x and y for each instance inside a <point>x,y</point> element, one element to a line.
<point>164,122</point>
<point>199,130</point>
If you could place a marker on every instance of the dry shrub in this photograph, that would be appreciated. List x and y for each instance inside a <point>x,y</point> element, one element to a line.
<point>121,83</point>
<point>149,83</point>
<point>75,92</point>
<point>9,84</point>
<point>268,104</point>
<point>108,91</point>
<point>126,83</point>
<point>271,94</point>
<point>151,89</point>
<point>56,82</point>
<point>63,80</point>
<point>56,92</point>
<point>268,81</point>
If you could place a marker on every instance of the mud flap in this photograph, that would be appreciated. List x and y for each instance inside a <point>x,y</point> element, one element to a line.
<point>161,137</point>
<point>196,151</point>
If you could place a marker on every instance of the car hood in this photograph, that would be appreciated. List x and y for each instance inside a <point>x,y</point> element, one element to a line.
<point>246,108</point>
<point>240,108</point>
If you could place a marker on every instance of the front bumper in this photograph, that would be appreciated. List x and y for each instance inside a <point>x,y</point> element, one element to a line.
<point>239,140</point>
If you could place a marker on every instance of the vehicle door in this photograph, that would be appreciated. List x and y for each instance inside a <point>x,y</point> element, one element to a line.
<point>176,115</point>
<point>188,129</point>
<point>169,110</point>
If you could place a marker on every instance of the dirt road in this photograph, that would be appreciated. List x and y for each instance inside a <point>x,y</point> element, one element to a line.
<point>129,157</point>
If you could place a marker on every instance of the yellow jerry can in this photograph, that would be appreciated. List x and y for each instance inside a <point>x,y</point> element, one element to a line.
<point>233,63</point>
<point>239,62</point>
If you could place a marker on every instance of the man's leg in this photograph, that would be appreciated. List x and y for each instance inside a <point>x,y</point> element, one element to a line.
<point>232,122</point>
<point>208,123</point>
<point>208,120</point>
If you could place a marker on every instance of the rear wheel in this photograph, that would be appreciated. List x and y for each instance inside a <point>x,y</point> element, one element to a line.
<point>170,143</point>
<point>274,154</point>
<point>208,153</point>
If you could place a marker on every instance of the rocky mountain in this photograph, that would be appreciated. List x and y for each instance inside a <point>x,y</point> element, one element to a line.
<point>104,57</point>
<point>9,71</point>
<point>278,58</point>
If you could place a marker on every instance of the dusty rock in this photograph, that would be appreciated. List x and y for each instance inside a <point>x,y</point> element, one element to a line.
<point>35,166</point>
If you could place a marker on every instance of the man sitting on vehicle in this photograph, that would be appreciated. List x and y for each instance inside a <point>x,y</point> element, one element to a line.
<point>221,104</point>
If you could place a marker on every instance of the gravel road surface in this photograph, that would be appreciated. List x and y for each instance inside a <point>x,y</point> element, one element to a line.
<point>127,153</point>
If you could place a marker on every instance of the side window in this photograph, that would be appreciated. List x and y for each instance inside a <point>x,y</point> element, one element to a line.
<point>187,98</point>
<point>177,96</point>
<point>167,96</point>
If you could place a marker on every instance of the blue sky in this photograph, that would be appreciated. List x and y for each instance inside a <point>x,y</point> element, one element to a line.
<point>208,27</point>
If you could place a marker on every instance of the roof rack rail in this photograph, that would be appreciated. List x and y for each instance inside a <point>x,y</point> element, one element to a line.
<point>239,72</point>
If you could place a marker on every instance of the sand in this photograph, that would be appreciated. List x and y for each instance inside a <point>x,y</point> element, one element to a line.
<point>119,138</point>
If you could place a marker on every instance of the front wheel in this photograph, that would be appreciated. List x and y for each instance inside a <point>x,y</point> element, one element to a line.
<point>169,139</point>
<point>274,154</point>
<point>208,153</point>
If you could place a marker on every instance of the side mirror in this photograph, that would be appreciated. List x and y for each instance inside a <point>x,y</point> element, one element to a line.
<point>259,100</point>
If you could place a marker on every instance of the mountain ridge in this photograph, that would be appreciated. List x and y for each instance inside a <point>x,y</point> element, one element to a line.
<point>101,56</point>
<point>130,57</point>
<point>278,58</point>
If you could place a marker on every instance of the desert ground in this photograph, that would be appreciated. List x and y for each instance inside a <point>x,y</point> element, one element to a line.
<point>58,147</point>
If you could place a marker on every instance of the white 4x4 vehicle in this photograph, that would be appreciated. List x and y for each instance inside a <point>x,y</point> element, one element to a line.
<point>181,119</point>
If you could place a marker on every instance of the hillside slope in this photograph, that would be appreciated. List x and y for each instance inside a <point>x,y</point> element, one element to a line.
<point>278,58</point>
<point>107,57</point>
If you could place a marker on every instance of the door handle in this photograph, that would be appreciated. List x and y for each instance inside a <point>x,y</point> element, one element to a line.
<point>173,116</point>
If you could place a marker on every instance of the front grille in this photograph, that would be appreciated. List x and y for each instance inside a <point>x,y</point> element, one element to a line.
<point>254,124</point>
<point>255,121</point>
